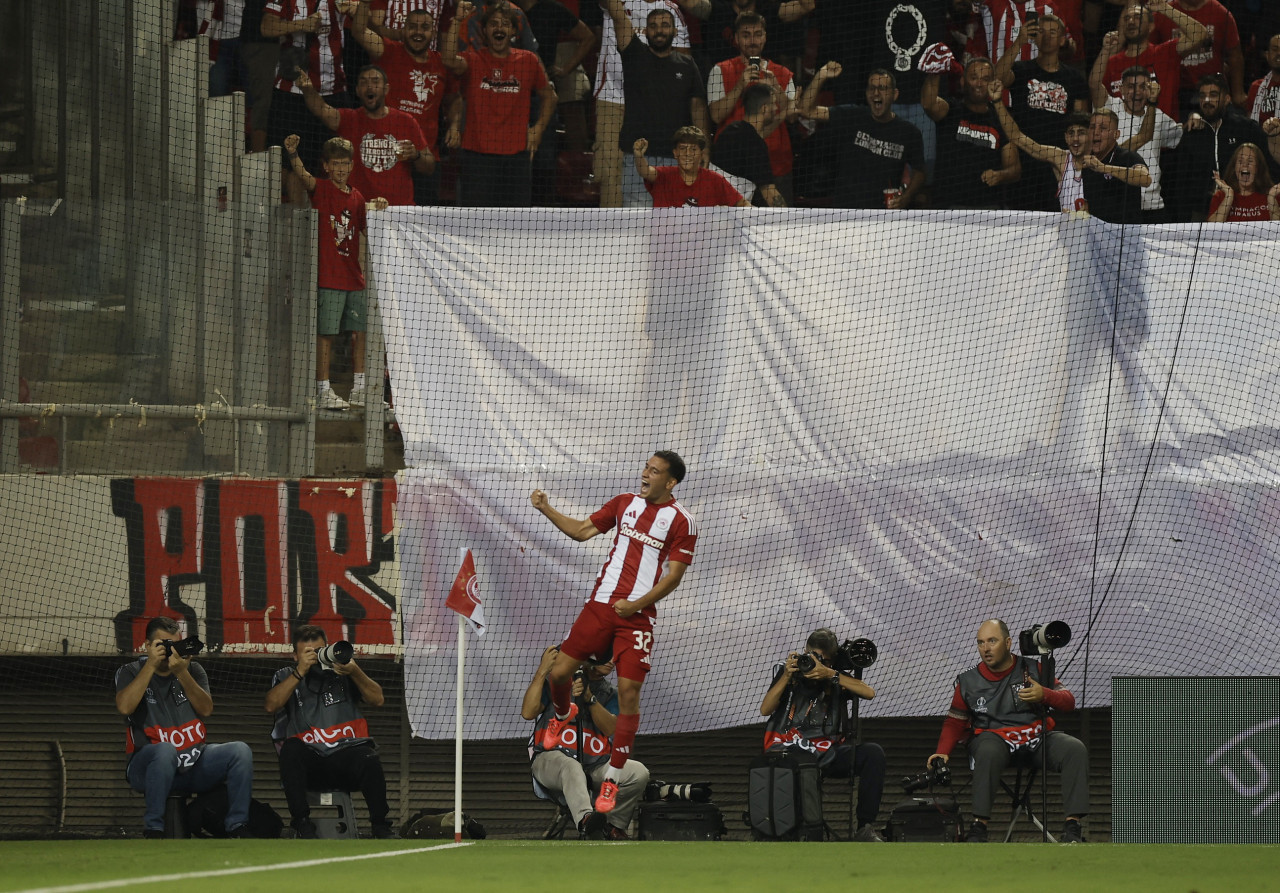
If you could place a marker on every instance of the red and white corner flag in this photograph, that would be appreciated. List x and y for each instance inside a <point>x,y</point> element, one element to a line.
<point>464,595</point>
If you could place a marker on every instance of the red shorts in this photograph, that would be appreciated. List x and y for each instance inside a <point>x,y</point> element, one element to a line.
<point>601,633</point>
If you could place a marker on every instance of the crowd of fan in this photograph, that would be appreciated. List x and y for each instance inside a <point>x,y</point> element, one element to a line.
<point>839,103</point>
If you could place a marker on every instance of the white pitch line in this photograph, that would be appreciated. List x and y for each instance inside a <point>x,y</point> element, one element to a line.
<point>223,872</point>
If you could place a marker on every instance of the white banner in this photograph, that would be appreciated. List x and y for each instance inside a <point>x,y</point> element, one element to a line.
<point>893,423</point>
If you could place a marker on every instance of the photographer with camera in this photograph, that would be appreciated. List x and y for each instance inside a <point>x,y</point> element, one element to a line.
<point>164,697</point>
<point>565,756</point>
<point>322,737</point>
<point>1001,706</point>
<point>807,708</point>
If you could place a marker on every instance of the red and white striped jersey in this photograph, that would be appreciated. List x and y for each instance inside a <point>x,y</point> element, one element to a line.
<point>648,537</point>
<point>323,49</point>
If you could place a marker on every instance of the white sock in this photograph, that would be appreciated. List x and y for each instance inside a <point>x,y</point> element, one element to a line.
<point>322,386</point>
<point>611,774</point>
<point>358,381</point>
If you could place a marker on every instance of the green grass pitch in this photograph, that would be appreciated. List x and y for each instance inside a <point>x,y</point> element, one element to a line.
<point>217,866</point>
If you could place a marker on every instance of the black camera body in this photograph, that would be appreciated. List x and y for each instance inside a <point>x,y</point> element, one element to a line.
<point>938,775</point>
<point>188,647</point>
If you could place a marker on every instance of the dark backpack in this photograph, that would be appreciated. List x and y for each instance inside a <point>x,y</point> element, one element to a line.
<point>784,796</point>
<point>207,816</point>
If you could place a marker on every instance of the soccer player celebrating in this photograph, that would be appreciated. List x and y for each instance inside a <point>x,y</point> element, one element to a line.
<point>651,550</point>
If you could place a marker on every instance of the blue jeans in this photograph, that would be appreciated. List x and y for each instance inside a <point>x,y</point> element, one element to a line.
<point>154,771</point>
<point>634,194</point>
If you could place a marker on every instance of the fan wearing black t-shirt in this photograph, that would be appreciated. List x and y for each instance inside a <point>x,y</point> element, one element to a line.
<point>1042,93</point>
<point>975,157</point>
<point>876,148</point>
<point>740,148</point>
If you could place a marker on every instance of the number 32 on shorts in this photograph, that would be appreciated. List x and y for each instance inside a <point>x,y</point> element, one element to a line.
<point>644,642</point>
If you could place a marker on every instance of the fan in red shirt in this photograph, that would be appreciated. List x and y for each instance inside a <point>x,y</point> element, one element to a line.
<point>1219,50</point>
<point>388,143</point>
<point>418,83</point>
<point>688,184</point>
<point>1245,190</point>
<point>1263,102</point>
<point>498,83</point>
<point>651,550</point>
<point>1133,45</point>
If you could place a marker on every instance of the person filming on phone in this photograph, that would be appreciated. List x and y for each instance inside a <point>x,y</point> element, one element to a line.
<point>999,705</point>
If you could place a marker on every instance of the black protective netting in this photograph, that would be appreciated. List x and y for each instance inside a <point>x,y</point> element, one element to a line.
<point>897,422</point>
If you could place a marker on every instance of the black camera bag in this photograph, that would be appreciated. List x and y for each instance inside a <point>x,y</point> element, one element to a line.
<point>784,796</point>
<point>925,820</point>
<point>680,820</point>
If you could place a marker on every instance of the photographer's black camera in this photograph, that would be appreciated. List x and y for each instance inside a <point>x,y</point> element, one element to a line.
<point>188,647</point>
<point>805,662</point>
<point>938,775</point>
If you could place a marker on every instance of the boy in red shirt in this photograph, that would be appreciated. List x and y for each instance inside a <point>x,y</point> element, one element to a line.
<point>687,184</point>
<point>341,279</point>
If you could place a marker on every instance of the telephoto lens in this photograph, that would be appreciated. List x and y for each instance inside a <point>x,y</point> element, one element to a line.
<point>337,653</point>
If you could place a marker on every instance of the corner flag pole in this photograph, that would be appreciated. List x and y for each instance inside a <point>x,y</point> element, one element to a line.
<point>457,737</point>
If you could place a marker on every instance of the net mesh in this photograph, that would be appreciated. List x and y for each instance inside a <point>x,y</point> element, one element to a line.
<point>896,423</point>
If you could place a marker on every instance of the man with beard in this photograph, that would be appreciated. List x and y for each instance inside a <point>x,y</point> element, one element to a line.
<point>975,157</point>
<point>388,142</point>
<point>730,78</point>
<point>663,92</point>
<point>1132,106</point>
<point>417,82</point>
<point>1132,45</point>
<point>1212,135</point>
<point>498,83</point>
<point>874,145</point>
<point>1042,92</point>
<point>610,90</point>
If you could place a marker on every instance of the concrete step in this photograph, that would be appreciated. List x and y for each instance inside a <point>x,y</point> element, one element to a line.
<point>342,459</point>
<point>43,365</point>
<point>70,327</point>
<point>76,392</point>
<point>121,457</point>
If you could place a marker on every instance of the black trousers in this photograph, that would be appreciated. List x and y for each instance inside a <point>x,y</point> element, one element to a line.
<point>490,181</point>
<point>867,762</point>
<point>355,768</point>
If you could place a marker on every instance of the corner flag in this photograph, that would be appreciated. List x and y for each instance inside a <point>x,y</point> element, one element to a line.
<point>464,595</point>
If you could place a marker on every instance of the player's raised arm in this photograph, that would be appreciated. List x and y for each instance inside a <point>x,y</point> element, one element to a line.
<point>570,527</point>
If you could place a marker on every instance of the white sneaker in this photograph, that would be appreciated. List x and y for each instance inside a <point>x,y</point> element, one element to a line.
<point>330,400</point>
<point>357,397</point>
